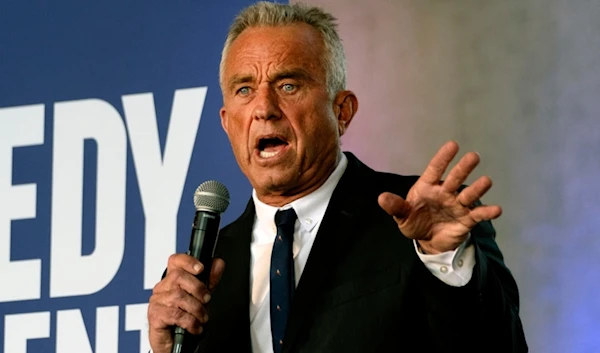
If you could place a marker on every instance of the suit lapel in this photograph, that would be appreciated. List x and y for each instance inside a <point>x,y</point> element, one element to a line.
<point>230,306</point>
<point>339,221</point>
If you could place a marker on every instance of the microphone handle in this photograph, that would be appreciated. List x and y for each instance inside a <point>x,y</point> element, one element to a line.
<point>202,246</point>
<point>203,240</point>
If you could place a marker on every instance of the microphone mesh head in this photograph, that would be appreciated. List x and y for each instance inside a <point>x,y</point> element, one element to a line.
<point>211,196</point>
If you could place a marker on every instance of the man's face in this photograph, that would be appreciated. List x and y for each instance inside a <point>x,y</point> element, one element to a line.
<point>283,125</point>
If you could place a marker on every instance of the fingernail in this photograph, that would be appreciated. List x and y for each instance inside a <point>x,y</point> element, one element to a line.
<point>197,267</point>
<point>205,318</point>
<point>206,298</point>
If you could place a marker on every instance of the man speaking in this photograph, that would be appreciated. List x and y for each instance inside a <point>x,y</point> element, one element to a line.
<point>329,255</point>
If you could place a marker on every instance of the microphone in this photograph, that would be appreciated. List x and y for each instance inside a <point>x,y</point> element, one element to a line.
<point>211,199</point>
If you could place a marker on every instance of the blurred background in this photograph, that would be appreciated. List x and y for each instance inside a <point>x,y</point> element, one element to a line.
<point>519,82</point>
<point>516,80</point>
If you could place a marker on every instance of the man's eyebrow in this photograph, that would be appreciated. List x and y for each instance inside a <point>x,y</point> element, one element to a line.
<point>299,74</point>
<point>239,79</point>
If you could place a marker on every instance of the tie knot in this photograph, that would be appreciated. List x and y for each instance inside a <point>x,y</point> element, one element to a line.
<point>285,218</point>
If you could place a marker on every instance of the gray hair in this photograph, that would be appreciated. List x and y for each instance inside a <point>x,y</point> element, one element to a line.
<point>272,15</point>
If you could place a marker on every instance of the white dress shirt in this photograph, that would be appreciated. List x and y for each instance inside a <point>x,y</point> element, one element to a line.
<point>454,268</point>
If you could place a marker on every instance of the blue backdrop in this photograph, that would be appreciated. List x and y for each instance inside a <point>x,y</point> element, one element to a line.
<point>108,122</point>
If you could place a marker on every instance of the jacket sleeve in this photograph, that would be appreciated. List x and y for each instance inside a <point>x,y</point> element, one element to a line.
<point>484,314</point>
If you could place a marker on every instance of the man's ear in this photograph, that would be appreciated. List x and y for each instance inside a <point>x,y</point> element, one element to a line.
<point>224,120</point>
<point>345,105</point>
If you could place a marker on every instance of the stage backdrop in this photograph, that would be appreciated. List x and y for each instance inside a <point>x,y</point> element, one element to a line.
<point>519,82</point>
<point>108,122</point>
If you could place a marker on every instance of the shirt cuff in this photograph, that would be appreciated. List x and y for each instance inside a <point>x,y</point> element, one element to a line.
<point>455,268</point>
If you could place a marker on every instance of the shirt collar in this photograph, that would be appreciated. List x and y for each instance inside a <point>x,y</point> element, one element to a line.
<point>310,208</point>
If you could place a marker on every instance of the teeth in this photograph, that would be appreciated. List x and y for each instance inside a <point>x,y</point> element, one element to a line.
<point>265,154</point>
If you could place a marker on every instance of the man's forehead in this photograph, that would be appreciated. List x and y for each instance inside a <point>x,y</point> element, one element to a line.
<point>284,38</point>
<point>264,50</point>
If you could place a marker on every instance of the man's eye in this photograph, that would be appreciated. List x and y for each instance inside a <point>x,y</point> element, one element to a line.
<point>244,91</point>
<point>288,87</point>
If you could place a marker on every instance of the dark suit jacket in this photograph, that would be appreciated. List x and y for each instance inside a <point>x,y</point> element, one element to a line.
<point>364,289</point>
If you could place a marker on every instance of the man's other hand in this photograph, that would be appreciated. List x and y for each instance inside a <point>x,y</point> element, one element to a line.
<point>180,299</point>
<point>435,212</point>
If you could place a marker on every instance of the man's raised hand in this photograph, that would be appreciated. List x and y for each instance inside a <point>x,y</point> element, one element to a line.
<point>435,212</point>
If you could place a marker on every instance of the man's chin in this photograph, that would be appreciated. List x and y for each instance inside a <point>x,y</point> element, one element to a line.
<point>274,183</point>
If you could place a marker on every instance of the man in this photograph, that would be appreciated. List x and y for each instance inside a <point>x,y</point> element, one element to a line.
<point>379,262</point>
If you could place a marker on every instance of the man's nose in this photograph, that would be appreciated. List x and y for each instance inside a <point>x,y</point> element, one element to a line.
<point>266,105</point>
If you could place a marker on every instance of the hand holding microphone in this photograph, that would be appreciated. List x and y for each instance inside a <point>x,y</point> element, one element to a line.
<point>180,298</point>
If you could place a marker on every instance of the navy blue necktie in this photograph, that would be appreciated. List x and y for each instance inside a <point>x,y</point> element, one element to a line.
<point>282,275</point>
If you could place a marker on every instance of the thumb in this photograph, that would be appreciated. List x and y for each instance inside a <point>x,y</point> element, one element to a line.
<point>218,266</point>
<point>394,205</point>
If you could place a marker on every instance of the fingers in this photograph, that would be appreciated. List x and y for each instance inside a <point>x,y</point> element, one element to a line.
<point>394,205</point>
<point>438,164</point>
<point>178,295</point>
<point>178,279</point>
<point>180,298</point>
<point>474,192</point>
<point>485,213</point>
<point>461,171</point>
<point>184,262</point>
<point>161,318</point>
<point>176,308</point>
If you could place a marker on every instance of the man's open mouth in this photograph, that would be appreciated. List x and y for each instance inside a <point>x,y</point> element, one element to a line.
<point>270,146</point>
